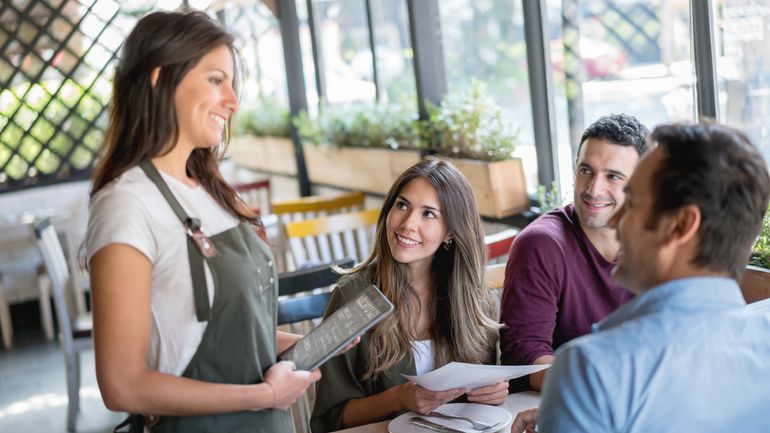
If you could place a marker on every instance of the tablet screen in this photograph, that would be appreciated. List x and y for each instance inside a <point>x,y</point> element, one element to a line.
<point>336,331</point>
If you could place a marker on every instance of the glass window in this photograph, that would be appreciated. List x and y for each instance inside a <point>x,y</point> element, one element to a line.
<point>634,57</point>
<point>347,57</point>
<point>258,40</point>
<point>484,39</point>
<point>742,36</point>
<point>393,47</point>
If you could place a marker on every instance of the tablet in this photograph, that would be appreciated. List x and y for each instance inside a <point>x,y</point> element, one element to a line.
<point>338,330</point>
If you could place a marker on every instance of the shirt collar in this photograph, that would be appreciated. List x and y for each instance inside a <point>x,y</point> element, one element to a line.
<point>685,294</point>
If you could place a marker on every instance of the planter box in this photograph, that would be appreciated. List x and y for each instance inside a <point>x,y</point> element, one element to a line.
<point>755,284</point>
<point>266,154</point>
<point>498,186</point>
<point>359,169</point>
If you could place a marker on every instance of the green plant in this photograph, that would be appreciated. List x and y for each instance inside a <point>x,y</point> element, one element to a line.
<point>549,198</point>
<point>468,124</point>
<point>268,117</point>
<point>378,126</point>
<point>760,254</point>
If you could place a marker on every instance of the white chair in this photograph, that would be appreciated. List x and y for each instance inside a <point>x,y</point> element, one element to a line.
<point>336,237</point>
<point>74,330</point>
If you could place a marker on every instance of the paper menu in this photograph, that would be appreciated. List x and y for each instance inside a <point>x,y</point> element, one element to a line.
<point>460,374</point>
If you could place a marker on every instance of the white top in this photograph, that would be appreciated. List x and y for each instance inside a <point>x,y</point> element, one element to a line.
<point>423,356</point>
<point>131,211</point>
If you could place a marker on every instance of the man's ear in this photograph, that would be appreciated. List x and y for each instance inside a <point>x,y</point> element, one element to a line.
<point>154,76</point>
<point>682,226</point>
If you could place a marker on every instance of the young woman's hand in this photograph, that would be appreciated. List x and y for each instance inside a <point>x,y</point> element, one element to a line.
<point>491,394</point>
<point>420,400</point>
<point>288,383</point>
<point>525,422</point>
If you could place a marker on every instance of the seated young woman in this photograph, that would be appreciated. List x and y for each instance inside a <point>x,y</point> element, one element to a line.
<point>429,260</point>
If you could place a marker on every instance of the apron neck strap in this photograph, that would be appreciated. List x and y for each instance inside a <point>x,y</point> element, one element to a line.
<point>154,175</point>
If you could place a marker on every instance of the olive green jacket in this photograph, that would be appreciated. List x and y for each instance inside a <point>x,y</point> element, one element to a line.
<point>342,374</point>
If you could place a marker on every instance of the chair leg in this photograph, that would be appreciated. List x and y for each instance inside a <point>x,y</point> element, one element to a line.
<point>73,388</point>
<point>46,316</point>
<point>6,326</point>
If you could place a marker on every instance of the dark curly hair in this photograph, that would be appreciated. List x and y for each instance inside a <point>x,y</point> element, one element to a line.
<point>621,129</point>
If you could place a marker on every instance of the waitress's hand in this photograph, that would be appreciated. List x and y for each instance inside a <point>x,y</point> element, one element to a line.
<point>288,383</point>
<point>420,400</point>
<point>491,394</point>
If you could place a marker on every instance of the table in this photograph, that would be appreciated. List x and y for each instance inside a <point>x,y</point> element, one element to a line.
<point>514,404</point>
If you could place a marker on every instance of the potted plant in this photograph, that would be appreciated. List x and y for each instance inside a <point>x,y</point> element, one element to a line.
<point>359,148</point>
<point>755,284</point>
<point>261,138</point>
<point>468,129</point>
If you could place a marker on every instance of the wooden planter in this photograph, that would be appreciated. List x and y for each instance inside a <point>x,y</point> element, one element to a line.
<point>357,168</point>
<point>755,284</point>
<point>273,155</point>
<point>498,186</point>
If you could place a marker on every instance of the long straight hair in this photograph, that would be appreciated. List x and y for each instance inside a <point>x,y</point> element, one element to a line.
<point>143,121</point>
<point>462,324</point>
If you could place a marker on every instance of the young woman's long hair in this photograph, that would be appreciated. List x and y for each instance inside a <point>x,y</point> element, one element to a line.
<point>462,324</point>
<point>143,121</point>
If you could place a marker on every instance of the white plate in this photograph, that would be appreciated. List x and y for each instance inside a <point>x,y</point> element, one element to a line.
<point>478,412</point>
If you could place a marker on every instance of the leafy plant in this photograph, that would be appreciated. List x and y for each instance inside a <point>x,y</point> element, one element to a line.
<point>549,198</point>
<point>392,126</point>
<point>760,254</point>
<point>268,117</point>
<point>468,124</point>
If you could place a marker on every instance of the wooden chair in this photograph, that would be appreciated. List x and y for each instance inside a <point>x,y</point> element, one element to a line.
<point>336,237</point>
<point>256,195</point>
<point>315,206</point>
<point>499,244</point>
<point>303,300</point>
<point>308,208</point>
<point>75,331</point>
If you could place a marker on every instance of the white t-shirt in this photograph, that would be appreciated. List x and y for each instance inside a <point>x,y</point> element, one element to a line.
<point>131,211</point>
<point>423,356</point>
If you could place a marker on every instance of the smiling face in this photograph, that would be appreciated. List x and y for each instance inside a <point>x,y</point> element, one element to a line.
<point>639,259</point>
<point>415,224</point>
<point>603,168</point>
<point>205,99</point>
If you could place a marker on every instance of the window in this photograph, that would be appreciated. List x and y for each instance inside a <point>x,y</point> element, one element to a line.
<point>484,39</point>
<point>742,36</point>
<point>634,57</point>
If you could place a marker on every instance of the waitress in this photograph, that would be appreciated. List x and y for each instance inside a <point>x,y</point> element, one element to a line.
<point>184,290</point>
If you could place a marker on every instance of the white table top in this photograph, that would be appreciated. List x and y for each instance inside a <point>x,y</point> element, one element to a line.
<point>514,404</point>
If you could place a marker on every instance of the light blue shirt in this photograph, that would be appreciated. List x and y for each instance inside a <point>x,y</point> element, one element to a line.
<point>686,356</point>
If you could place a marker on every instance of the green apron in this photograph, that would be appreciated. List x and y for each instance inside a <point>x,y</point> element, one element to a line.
<point>238,345</point>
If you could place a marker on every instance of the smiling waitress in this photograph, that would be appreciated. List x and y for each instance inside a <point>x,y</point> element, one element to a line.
<point>184,290</point>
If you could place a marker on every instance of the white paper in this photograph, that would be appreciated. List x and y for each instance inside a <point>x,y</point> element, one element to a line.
<point>460,374</point>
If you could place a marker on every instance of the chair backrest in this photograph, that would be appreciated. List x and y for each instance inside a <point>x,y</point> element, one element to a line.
<point>315,206</point>
<point>307,302</point>
<point>495,280</point>
<point>256,195</point>
<point>336,237</point>
<point>56,267</point>
<point>499,244</point>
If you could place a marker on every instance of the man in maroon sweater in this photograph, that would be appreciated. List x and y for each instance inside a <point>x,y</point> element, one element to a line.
<point>557,281</point>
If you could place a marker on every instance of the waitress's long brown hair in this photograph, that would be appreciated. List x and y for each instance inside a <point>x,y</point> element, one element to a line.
<point>143,121</point>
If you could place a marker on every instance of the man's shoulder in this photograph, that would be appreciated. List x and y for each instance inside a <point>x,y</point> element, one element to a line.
<point>555,228</point>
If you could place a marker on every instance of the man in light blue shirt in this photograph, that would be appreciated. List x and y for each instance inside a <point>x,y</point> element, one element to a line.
<point>686,355</point>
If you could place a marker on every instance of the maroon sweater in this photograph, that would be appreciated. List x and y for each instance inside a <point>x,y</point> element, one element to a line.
<point>556,286</point>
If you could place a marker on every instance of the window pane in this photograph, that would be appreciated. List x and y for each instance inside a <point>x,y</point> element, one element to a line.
<point>395,71</point>
<point>634,58</point>
<point>743,67</point>
<point>308,67</point>
<point>484,39</point>
<point>347,59</point>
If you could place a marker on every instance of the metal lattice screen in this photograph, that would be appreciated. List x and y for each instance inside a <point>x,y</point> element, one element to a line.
<point>56,61</point>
